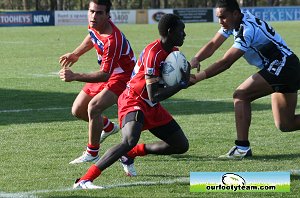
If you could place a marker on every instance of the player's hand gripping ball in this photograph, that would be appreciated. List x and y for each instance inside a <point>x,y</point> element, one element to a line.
<point>171,73</point>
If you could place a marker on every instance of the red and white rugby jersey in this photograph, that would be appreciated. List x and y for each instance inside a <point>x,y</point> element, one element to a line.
<point>149,63</point>
<point>115,54</point>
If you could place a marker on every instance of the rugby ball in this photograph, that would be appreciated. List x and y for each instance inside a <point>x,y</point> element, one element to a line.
<point>171,73</point>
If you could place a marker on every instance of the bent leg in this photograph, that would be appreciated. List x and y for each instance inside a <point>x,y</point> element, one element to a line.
<point>283,107</point>
<point>251,89</point>
<point>97,105</point>
<point>173,140</point>
<point>80,106</point>
<point>131,133</point>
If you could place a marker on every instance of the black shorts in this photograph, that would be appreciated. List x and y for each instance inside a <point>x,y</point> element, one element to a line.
<point>163,132</point>
<point>288,80</point>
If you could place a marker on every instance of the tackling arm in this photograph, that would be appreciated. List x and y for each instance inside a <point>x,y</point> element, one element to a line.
<point>232,55</point>
<point>208,50</point>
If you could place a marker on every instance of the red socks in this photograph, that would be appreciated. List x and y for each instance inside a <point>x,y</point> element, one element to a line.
<point>138,150</point>
<point>108,126</point>
<point>91,174</point>
<point>93,149</point>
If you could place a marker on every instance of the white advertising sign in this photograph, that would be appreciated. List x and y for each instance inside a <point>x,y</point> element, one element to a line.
<point>81,18</point>
<point>154,15</point>
<point>71,17</point>
<point>123,16</point>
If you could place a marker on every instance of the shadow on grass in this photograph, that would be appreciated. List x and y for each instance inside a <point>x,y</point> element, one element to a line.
<point>19,107</point>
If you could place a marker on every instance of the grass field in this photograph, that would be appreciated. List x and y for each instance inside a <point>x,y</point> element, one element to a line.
<point>39,136</point>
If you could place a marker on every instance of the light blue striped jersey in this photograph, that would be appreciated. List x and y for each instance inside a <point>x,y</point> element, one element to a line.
<point>261,44</point>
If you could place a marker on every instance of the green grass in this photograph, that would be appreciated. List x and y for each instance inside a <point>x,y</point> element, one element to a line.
<point>40,137</point>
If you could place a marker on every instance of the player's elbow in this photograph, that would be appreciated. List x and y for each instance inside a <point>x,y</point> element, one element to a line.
<point>155,98</point>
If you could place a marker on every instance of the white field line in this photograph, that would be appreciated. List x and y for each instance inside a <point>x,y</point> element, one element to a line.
<point>32,194</point>
<point>39,109</point>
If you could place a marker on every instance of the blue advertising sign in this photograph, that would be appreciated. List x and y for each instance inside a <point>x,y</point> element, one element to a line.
<point>276,13</point>
<point>38,18</point>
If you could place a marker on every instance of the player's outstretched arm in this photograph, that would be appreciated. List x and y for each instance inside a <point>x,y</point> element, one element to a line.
<point>207,50</point>
<point>67,75</point>
<point>68,59</point>
<point>232,55</point>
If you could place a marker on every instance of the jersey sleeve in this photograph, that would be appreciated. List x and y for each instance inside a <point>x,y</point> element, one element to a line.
<point>225,33</point>
<point>243,39</point>
<point>151,62</point>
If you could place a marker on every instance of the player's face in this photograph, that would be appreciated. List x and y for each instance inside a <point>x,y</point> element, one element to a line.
<point>97,16</point>
<point>178,34</point>
<point>228,20</point>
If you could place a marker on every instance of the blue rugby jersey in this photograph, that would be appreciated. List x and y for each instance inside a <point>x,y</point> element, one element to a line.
<point>262,45</point>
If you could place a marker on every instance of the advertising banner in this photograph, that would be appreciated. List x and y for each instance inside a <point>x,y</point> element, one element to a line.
<point>71,17</point>
<point>288,13</point>
<point>276,13</point>
<point>38,18</point>
<point>81,17</point>
<point>123,16</point>
<point>154,15</point>
<point>195,15</point>
<point>239,182</point>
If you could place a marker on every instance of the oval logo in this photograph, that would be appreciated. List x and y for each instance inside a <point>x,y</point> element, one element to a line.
<point>157,16</point>
<point>233,179</point>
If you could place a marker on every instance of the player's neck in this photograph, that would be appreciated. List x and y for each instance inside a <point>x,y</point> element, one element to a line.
<point>105,30</point>
<point>167,46</point>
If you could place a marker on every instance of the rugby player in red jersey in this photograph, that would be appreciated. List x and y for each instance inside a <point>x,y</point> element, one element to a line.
<point>139,108</point>
<point>102,88</point>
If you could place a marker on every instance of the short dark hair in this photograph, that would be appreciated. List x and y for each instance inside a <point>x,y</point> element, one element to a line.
<point>230,5</point>
<point>106,3</point>
<point>166,23</point>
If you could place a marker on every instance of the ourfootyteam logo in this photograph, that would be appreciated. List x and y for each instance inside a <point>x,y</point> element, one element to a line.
<point>233,179</point>
<point>236,182</point>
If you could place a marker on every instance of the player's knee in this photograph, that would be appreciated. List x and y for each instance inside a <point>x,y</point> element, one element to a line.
<point>77,112</point>
<point>129,143</point>
<point>94,110</point>
<point>74,112</point>
<point>240,95</point>
<point>184,147</point>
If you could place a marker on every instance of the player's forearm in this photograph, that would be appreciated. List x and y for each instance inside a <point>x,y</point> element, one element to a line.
<point>205,52</point>
<point>213,70</point>
<point>85,46</point>
<point>157,93</point>
<point>92,77</point>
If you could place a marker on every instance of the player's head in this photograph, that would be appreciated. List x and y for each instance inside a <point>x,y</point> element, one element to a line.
<point>229,5</point>
<point>171,29</point>
<point>106,3</point>
<point>99,13</point>
<point>229,14</point>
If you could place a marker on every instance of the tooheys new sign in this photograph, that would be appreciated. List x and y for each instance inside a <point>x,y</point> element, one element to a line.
<point>39,18</point>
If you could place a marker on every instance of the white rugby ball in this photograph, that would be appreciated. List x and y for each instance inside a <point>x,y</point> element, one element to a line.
<point>171,73</point>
